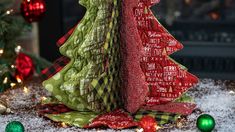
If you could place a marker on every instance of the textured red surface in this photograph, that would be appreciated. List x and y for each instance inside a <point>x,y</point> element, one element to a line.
<point>173,107</point>
<point>134,84</point>
<point>151,77</point>
<point>117,119</point>
<point>52,109</point>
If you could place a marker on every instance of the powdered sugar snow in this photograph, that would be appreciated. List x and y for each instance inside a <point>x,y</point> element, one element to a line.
<point>212,97</point>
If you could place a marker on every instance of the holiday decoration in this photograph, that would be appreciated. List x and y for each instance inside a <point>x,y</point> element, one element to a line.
<point>151,77</point>
<point>60,62</point>
<point>16,65</point>
<point>173,107</point>
<point>24,66</point>
<point>5,78</point>
<point>205,123</point>
<point>14,126</point>
<point>87,78</point>
<point>117,119</point>
<point>209,91</point>
<point>33,10</point>
<point>49,110</point>
<point>161,118</point>
<point>90,81</point>
<point>3,107</point>
<point>148,123</point>
<point>10,29</point>
<point>53,109</point>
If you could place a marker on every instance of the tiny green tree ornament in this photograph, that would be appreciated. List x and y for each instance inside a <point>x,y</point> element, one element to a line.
<point>205,123</point>
<point>14,126</point>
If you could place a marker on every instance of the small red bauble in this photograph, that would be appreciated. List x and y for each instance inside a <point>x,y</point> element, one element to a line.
<point>24,66</point>
<point>33,10</point>
<point>148,123</point>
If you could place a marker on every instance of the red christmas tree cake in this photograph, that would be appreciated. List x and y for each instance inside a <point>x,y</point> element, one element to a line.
<point>151,79</point>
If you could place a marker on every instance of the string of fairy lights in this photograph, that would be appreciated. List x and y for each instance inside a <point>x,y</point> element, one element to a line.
<point>31,11</point>
<point>8,12</point>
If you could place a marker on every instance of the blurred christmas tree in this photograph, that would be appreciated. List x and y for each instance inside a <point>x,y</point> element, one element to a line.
<point>12,26</point>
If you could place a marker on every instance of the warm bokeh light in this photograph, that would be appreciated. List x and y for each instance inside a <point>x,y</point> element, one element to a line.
<point>18,79</point>
<point>8,12</point>
<point>231,92</point>
<point>12,84</point>
<point>43,98</point>
<point>188,2</point>
<point>140,130</point>
<point>18,49</point>
<point>214,15</point>
<point>63,124</point>
<point>13,66</point>
<point>1,51</point>
<point>26,90</point>
<point>5,80</point>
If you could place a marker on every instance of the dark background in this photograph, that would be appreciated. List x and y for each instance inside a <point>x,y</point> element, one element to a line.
<point>205,27</point>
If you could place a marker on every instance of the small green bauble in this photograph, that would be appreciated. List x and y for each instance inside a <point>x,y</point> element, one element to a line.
<point>14,126</point>
<point>205,123</point>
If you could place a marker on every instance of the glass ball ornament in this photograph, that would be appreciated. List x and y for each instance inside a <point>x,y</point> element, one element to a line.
<point>205,123</point>
<point>33,10</point>
<point>14,126</point>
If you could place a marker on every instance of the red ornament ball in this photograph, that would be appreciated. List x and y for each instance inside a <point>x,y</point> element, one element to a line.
<point>148,123</point>
<point>33,10</point>
<point>24,66</point>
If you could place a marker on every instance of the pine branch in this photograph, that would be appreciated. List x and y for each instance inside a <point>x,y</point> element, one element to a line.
<point>11,28</point>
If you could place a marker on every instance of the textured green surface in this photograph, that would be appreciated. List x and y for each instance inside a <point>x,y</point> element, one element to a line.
<point>160,117</point>
<point>89,84</point>
<point>4,73</point>
<point>90,81</point>
<point>79,119</point>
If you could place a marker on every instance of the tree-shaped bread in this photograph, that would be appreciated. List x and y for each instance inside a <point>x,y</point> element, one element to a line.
<point>152,79</point>
<point>149,83</point>
<point>90,81</point>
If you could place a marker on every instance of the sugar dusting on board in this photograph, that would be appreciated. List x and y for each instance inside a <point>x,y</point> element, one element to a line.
<point>215,99</point>
<point>212,97</point>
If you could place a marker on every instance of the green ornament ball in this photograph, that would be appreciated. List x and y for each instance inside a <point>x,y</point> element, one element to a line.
<point>205,123</point>
<point>14,126</point>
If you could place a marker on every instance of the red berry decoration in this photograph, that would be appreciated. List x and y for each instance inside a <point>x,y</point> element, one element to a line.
<point>148,123</point>
<point>33,10</point>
